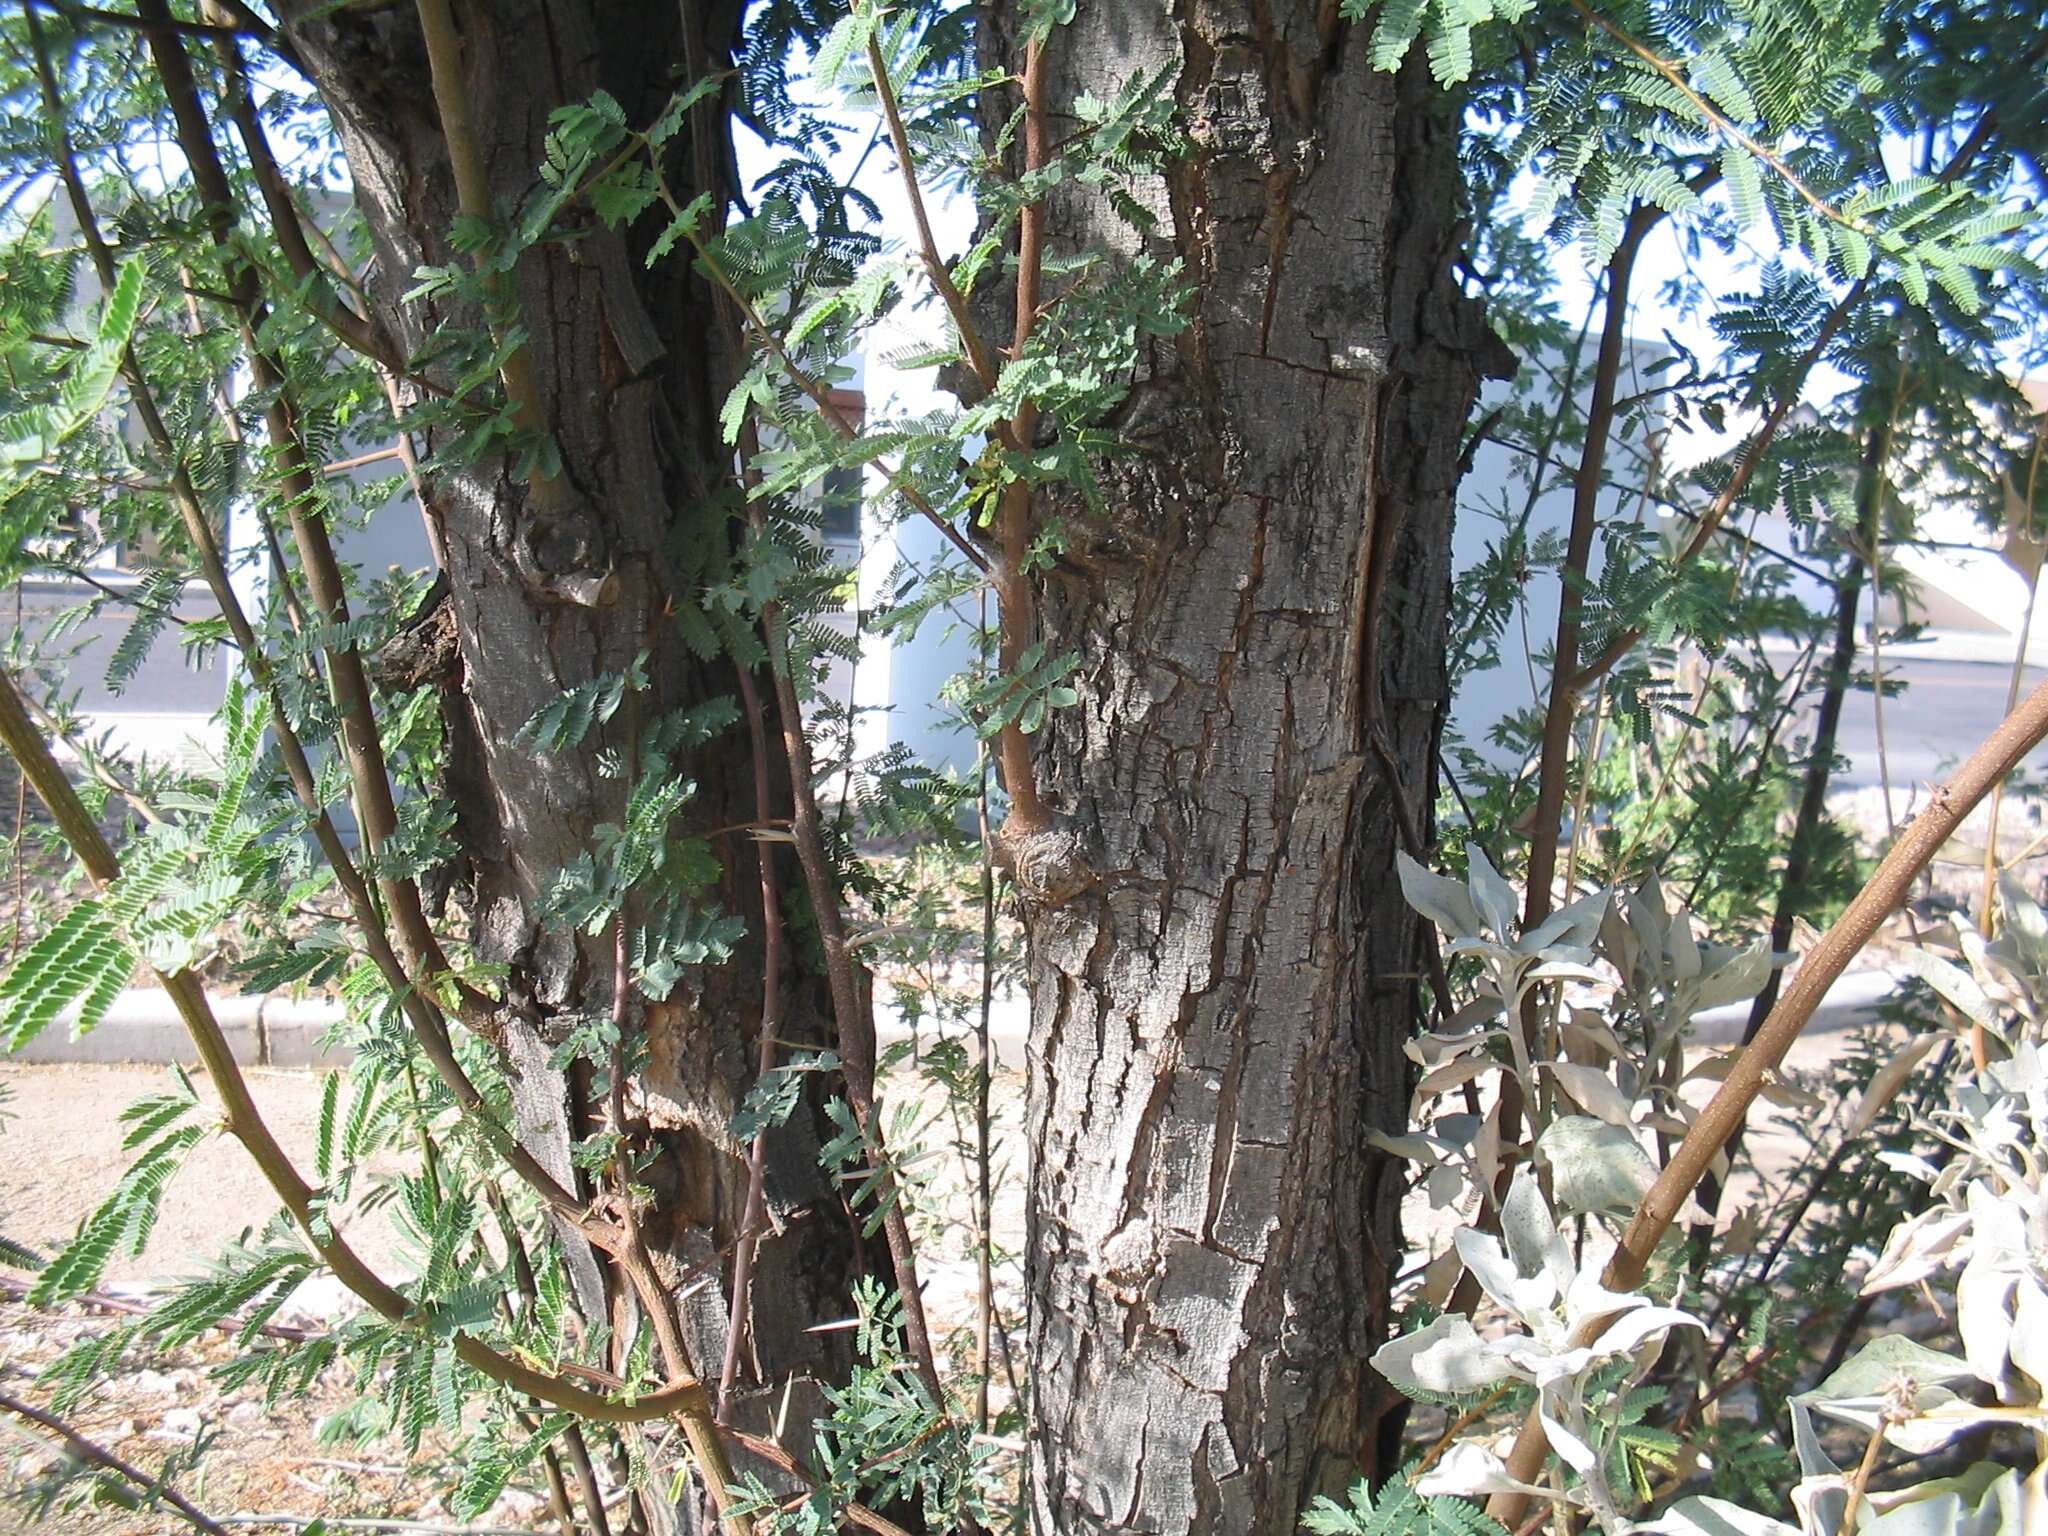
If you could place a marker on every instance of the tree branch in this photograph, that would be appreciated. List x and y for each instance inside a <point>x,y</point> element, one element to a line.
<point>100,1456</point>
<point>246,1124</point>
<point>426,1022</point>
<point>1016,606</point>
<point>359,332</point>
<point>363,746</point>
<point>1882,895</point>
<point>971,341</point>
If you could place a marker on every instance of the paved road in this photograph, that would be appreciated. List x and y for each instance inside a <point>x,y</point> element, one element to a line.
<point>1946,709</point>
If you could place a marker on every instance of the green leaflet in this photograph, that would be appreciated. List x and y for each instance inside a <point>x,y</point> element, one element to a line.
<point>30,436</point>
<point>121,1223</point>
<point>83,961</point>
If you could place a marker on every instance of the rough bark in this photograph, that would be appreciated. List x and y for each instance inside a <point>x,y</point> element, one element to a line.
<point>630,374</point>
<point>1217,1021</point>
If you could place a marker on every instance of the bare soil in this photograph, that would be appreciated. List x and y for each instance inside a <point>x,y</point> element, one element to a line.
<point>64,1138</point>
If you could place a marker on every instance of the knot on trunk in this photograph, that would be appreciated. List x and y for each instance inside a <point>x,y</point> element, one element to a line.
<point>559,553</point>
<point>425,650</point>
<point>1048,862</point>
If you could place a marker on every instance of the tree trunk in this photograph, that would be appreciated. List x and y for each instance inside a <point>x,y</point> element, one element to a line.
<point>1217,1020</point>
<point>630,380</point>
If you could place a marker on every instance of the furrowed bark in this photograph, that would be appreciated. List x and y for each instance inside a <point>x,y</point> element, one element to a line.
<point>554,582</point>
<point>1217,1021</point>
<point>18,735</point>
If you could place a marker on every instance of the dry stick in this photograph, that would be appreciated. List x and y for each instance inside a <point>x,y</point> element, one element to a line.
<point>100,1456</point>
<point>700,1426</point>
<point>1553,760</point>
<point>657,1301</point>
<point>246,1124</point>
<point>850,1002</point>
<point>776,1456</point>
<point>89,761</point>
<point>1015,605</point>
<point>1860,1479</point>
<point>819,395</point>
<point>427,1024</point>
<point>100,1301</point>
<point>231,425</point>
<point>86,13</point>
<point>2000,753</point>
<point>331,259</point>
<point>1804,845</point>
<point>363,748</point>
<point>1985,916</point>
<point>753,1211</point>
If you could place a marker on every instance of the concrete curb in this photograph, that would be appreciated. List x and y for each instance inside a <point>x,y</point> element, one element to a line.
<point>1851,1001</point>
<point>142,1028</point>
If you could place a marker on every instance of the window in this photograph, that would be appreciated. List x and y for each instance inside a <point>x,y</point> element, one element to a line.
<point>839,506</point>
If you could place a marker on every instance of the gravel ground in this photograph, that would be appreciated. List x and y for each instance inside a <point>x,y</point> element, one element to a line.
<point>65,1139</point>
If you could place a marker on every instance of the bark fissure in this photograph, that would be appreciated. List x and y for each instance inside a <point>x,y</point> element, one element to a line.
<point>1218,1022</point>
<point>625,366</point>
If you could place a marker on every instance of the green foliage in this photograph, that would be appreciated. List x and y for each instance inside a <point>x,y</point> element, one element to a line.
<point>1397,1510</point>
<point>33,435</point>
<point>80,961</point>
<point>1815,134</point>
<point>561,724</point>
<point>161,1128</point>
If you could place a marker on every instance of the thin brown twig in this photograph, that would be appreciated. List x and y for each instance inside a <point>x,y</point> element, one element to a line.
<point>1860,1479</point>
<point>1986,914</point>
<point>100,1456</point>
<point>1710,521</point>
<point>971,342</point>
<point>851,1004</point>
<point>71,11</point>
<point>245,1122</point>
<point>755,1206</point>
<point>1724,1114</point>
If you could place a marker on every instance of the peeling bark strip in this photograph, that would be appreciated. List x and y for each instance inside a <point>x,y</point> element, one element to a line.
<point>628,373</point>
<point>1218,1022</point>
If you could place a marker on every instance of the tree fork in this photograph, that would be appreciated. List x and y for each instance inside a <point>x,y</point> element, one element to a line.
<point>363,747</point>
